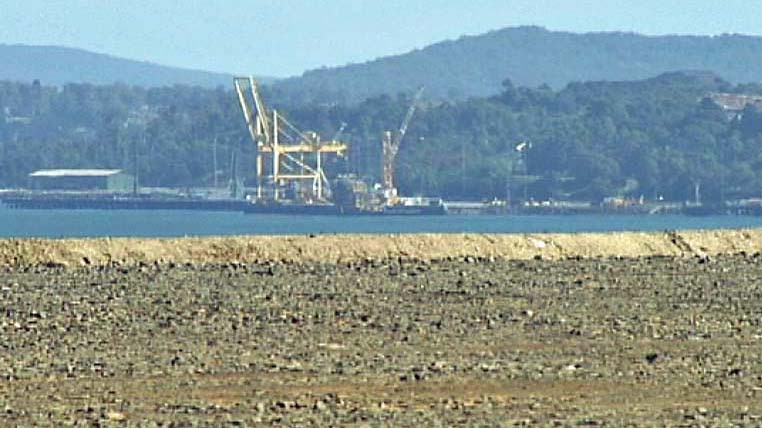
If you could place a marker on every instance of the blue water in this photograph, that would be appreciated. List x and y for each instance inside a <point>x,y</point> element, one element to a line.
<point>87,223</point>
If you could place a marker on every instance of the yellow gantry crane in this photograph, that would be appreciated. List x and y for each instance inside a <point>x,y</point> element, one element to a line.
<point>295,156</point>
<point>390,144</point>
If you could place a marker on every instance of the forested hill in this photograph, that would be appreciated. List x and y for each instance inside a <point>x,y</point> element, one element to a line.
<point>472,66</point>
<point>658,137</point>
<point>54,65</point>
<point>530,56</point>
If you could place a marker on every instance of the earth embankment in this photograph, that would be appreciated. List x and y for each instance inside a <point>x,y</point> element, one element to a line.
<point>349,248</point>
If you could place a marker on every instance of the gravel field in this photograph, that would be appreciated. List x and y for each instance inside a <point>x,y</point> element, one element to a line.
<point>468,341</point>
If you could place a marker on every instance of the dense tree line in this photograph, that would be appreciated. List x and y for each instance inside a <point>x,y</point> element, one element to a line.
<point>656,138</point>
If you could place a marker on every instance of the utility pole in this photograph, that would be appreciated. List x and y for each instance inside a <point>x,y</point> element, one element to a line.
<point>723,161</point>
<point>135,166</point>
<point>508,182</point>
<point>462,167</point>
<point>522,148</point>
<point>233,174</point>
<point>214,161</point>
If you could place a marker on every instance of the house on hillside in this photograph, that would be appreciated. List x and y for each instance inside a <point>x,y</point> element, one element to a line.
<point>734,104</point>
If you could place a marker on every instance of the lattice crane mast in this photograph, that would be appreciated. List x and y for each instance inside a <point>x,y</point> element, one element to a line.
<point>297,153</point>
<point>391,142</point>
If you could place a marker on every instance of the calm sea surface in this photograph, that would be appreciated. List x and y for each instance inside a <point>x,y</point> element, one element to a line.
<point>86,223</point>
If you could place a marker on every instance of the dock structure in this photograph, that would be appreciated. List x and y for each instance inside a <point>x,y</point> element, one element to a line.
<point>110,201</point>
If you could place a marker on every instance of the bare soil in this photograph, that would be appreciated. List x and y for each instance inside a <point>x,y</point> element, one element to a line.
<point>470,340</point>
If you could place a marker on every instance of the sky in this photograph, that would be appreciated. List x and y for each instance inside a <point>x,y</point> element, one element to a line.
<point>283,38</point>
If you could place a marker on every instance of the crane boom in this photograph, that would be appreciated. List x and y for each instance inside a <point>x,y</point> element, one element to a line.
<point>256,116</point>
<point>289,148</point>
<point>409,115</point>
<point>391,142</point>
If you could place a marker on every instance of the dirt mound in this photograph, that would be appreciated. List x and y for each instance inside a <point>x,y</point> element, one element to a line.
<point>347,248</point>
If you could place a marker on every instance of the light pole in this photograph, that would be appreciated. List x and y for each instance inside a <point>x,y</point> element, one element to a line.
<point>522,149</point>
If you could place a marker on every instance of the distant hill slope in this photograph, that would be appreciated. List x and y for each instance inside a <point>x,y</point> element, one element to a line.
<point>54,65</point>
<point>529,56</point>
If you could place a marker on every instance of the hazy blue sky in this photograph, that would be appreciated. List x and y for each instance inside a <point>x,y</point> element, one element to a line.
<point>286,37</point>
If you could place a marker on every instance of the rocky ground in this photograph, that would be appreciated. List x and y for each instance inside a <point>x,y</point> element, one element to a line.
<point>459,342</point>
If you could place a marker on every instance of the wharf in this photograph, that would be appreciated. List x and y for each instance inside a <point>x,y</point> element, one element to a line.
<point>116,202</point>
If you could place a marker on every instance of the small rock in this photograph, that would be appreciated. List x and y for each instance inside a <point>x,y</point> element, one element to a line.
<point>735,372</point>
<point>538,243</point>
<point>116,416</point>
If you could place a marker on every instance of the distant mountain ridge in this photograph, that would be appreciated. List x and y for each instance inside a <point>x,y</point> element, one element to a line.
<point>475,66</point>
<point>54,65</point>
<point>471,66</point>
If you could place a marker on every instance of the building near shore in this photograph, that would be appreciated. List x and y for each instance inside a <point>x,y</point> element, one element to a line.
<point>107,180</point>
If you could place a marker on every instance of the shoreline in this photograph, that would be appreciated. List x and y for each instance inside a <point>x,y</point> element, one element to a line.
<point>94,252</point>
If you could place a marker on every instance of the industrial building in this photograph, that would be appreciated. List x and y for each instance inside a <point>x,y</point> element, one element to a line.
<point>106,180</point>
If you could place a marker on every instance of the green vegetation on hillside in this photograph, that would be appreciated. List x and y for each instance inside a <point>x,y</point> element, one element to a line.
<point>529,56</point>
<point>657,137</point>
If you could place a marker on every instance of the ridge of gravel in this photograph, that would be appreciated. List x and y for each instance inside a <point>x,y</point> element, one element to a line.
<point>352,248</point>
